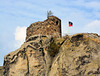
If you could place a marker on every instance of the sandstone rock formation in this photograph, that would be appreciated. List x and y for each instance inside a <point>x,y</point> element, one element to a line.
<point>78,56</point>
<point>51,26</point>
<point>44,55</point>
<point>32,59</point>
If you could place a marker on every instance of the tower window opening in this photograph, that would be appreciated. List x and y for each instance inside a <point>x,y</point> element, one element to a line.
<point>56,22</point>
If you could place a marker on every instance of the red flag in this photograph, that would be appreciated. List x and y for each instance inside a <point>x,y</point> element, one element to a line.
<point>70,24</point>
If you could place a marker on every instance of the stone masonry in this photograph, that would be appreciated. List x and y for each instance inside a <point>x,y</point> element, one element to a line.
<point>51,26</point>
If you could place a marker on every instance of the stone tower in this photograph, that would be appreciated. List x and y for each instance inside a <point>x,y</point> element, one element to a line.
<point>51,26</point>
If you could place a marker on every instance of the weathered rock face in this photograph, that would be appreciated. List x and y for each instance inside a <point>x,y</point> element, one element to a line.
<point>32,59</point>
<point>77,55</point>
<point>51,26</point>
<point>1,71</point>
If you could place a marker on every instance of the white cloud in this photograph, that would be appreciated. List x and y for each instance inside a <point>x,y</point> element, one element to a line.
<point>93,27</point>
<point>20,35</point>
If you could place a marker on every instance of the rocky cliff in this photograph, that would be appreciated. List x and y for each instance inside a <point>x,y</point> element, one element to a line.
<point>45,55</point>
<point>79,56</point>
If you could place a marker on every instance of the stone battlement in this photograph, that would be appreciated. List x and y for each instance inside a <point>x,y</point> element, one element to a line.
<point>51,26</point>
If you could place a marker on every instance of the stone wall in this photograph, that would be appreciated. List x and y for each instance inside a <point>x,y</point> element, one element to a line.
<point>51,26</point>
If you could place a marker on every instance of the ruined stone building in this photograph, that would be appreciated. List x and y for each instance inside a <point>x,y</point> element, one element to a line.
<point>51,26</point>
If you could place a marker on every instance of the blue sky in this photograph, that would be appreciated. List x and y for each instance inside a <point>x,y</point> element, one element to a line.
<point>17,15</point>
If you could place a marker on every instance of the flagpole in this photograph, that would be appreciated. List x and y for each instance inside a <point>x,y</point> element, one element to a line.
<point>68,30</point>
<point>70,24</point>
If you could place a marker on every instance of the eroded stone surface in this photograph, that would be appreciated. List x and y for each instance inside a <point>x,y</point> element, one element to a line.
<point>41,55</point>
<point>79,56</point>
<point>30,59</point>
